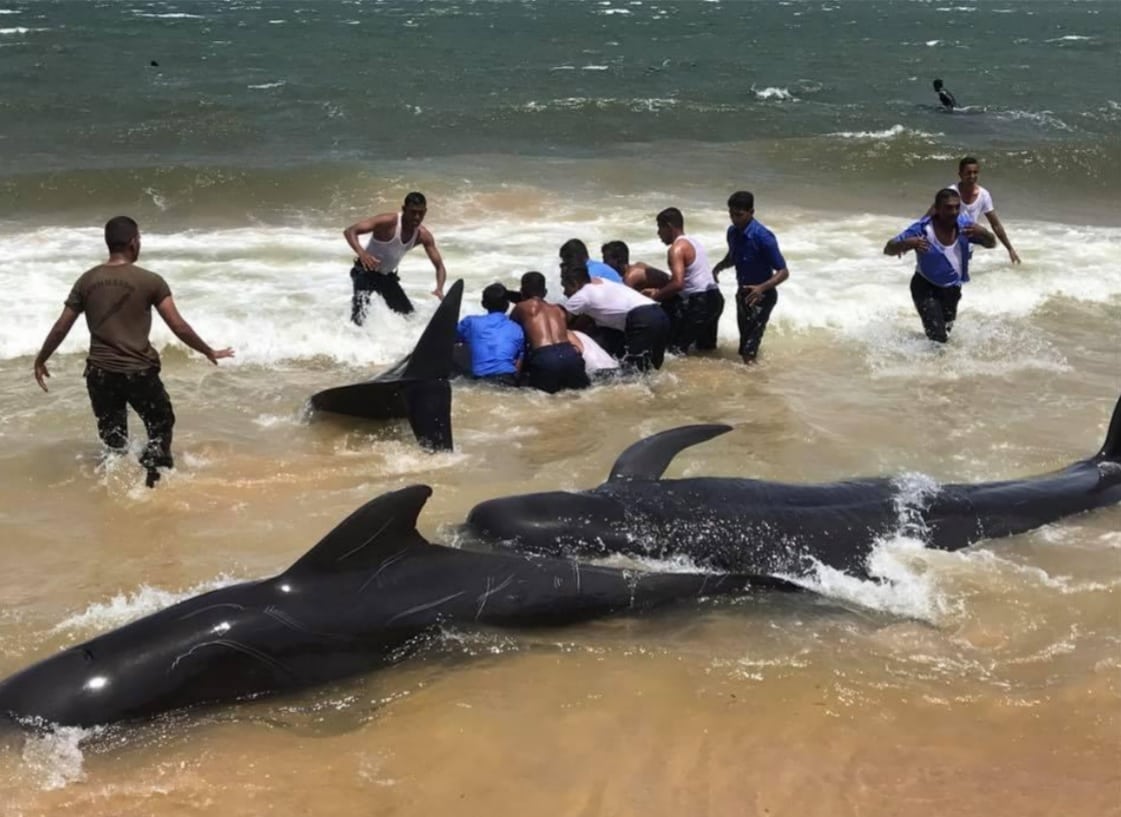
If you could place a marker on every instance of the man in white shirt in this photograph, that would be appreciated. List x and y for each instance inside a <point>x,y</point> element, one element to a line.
<point>643,322</point>
<point>976,201</point>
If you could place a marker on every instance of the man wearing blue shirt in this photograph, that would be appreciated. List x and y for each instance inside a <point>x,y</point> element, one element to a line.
<point>760,267</point>
<point>574,252</point>
<point>941,243</point>
<point>496,342</point>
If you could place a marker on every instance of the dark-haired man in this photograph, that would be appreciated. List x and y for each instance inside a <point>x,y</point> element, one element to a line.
<point>496,343</point>
<point>691,297</point>
<point>977,201</point>
<point>375,267</point>
<point>941,244</point>
<point>643,323</point>
<point>760,268</point>
<point>640,276</point>
<point>944,96</point>
<point>553,362</point>
<point>574,252</point>
<point>123,369</point>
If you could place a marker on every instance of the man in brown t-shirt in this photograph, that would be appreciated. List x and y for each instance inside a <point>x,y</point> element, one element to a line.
<point>123,369</point>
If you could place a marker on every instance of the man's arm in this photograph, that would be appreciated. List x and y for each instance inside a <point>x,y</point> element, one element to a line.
<point>754,293</point>
<point>429,244</point>
<point>722,265</point>
<point>979,235</point>
<point>363,227</point>
<point>910,239</point>
<point>998,228</point>
<point>675,257</point>
<point>185,333</point>
<point>54,337</point>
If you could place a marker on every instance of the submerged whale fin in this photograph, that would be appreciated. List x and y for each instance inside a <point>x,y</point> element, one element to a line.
<point>649,458</point>
<point>431,358</point>
<point>1111,450</point>
<point>363,539</point>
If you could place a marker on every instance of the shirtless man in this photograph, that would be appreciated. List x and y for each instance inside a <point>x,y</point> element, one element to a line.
<point>691,297</point>
<point>375,267</point>
<point>640,276</point>
<point>553,363</point>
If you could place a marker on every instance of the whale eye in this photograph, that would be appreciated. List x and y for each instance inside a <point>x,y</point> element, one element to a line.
<point>88,655</point>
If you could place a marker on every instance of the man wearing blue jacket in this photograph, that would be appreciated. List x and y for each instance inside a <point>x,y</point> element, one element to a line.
<point>941,243</point>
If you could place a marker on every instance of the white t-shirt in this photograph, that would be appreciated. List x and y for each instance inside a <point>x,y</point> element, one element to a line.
<point>596,358</point>
<point>981,205</point>
<point>952,251</point>
<point>606,303</point>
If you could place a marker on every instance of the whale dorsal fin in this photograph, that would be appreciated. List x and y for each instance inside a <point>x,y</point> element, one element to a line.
<point>431,358</point>
<point>1111,448</point>
<point>649,458</point>
<point>382,526</point>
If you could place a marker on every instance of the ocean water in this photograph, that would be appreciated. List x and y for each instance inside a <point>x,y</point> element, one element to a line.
<point>982,682</point>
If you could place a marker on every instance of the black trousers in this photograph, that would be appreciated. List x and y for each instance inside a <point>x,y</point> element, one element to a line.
<point>555,368</point>
<point>694,320</point>
<point>385,284</point>
<point>752,320</point>
<point>111,393</point>
<point>937,307</point>
<point>647,335</point>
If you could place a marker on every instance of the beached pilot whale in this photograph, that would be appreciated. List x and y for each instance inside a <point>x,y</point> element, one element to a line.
<point>775,528</point>
<point>416,387</point>
<point>357,600</point>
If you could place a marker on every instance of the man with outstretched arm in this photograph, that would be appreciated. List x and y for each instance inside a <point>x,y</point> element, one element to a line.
<point>760,268</point>
<point>375,267</point>
<point>123,369</point>
<point>941,244</point>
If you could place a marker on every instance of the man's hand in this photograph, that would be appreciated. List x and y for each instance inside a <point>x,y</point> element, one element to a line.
<point>41,374</point>
<point>1012,256</point>
<point>918,243</point>
<point>719,268</point>
<point>369,262</point>
<point>650,293</point>
<point>439,292</point>
<point>217,354</point>
<point>752,294</point>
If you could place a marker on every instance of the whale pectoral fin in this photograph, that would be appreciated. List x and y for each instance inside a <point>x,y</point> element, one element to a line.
<point>649,458</point>
<point>379,528</point>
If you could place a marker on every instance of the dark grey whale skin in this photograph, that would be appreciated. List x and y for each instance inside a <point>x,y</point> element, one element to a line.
<point>753,526</point>
<point>355,602</point>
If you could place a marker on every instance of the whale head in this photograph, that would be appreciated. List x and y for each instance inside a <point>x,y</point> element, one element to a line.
<point>551,523</point>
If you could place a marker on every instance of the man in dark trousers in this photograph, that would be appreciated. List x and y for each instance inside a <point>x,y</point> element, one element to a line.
<point>123,369</point>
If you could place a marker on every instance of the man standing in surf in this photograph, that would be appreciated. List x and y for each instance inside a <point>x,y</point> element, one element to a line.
<point>941,244</point>
<point>977,201</point>
<point>375,267</point>
<point>123,369</point>
<point>760,268</point>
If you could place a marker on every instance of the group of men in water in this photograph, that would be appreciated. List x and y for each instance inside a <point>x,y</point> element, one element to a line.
<point>617,314</point>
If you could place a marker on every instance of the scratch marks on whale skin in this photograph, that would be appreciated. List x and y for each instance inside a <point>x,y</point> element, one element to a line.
<point>236,646</point>
<point>292,623</point>
<point>490,591</point>
<point>420,608</point>
<point>220,605</point>
<point>372,537</point>
<point>389,562</point>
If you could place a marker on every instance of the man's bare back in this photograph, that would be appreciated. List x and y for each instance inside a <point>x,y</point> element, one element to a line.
<point>544,324</point>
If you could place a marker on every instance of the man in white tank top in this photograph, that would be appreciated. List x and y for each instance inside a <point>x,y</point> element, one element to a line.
<point>691,297</point>
<point>375,267</point>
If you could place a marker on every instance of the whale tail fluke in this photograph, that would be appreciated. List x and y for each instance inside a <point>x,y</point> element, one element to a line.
<point>1111,450</point>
